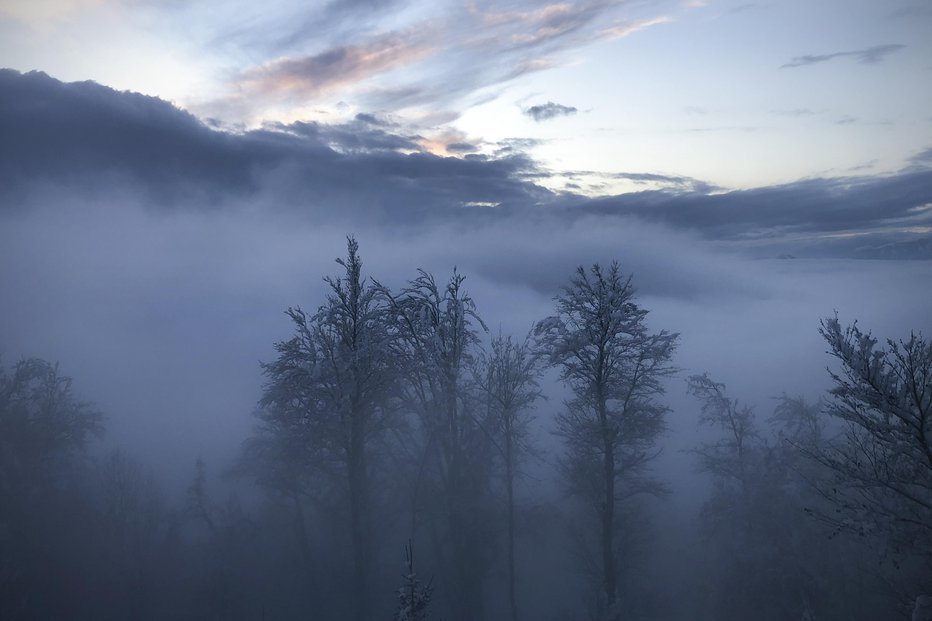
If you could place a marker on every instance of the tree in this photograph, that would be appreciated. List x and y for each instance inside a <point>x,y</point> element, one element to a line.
<point>44,429</point>
<point>413,596</point>
<point>753,519</point>
<point>136,528</point>
<point>436,329</point>
<point>614,367</point>
<point>729,458</point>
<point>882,462</point>
<point>325,405</point>
<point>42,423</point>
<point>507,379</point>
<point>766,559</point>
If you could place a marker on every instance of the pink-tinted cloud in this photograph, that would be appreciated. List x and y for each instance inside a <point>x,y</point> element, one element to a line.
<point>335,68</point>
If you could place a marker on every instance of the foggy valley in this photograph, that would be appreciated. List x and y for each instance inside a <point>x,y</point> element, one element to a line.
<point>387,310</point>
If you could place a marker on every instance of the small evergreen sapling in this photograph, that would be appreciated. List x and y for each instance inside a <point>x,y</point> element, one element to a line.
<point>413,596</point>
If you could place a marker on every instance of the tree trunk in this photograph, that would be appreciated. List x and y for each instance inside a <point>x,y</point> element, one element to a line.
<point>359,522</point>
<point>466,553</point>
<point>608,503</point>
<point>608,527</point>
<point>306,556</point>
<point>509,479</point>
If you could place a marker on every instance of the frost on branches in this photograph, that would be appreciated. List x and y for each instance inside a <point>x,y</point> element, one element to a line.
<point>883,462</point>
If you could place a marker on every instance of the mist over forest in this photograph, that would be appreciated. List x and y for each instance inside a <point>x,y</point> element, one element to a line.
<point>317,370</point>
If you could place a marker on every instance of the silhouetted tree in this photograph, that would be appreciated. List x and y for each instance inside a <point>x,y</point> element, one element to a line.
<point>752,519</point>
<point>437,336</point>
<point>136,526</point>
<point>325,406</point>
<point>882,462</point>
<point>614,366</point>
<point>765,558</point>
<point>44,430</point>
<point>508,380</point>
<point>730,457</point>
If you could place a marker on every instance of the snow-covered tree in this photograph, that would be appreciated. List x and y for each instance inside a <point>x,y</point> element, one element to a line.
<point>507,381</point>
<point>882,462</point>
<point>413,595</point>
<point>751,521</point>
<point>764,557</point>
<point>437,337</point>
<point>728,458</point>
<point>325,405</point>
<point>615,368</point>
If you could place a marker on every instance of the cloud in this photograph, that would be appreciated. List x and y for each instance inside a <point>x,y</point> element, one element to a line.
<point>334,16</point>
<point>869,55</point>
<point>461,147</point>
<point>673,184</point>
<point>334,68</point>
<point>91,137</point>
<point>811,208</point>
<point>628,28</point>
<point>549,110</point>
<point>923,157</point>
<point>485,47</point>
<point>538,24</point>
<point>87,139</point>
<point>372,119</point>
<point>912,10</point>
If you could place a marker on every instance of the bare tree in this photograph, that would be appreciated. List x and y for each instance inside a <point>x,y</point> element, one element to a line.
<point>507,379</point>
<point>615,368</point>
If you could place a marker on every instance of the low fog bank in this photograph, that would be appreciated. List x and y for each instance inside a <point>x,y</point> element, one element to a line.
<point>163,318</point>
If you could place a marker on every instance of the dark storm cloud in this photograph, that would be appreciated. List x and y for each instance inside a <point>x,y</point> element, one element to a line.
<point>87,138</point>
<point>870,55</point>
<point>549,110</point>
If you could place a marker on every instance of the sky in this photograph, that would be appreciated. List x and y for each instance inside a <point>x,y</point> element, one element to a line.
<point>174,175</point>
<point>736,94</point>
